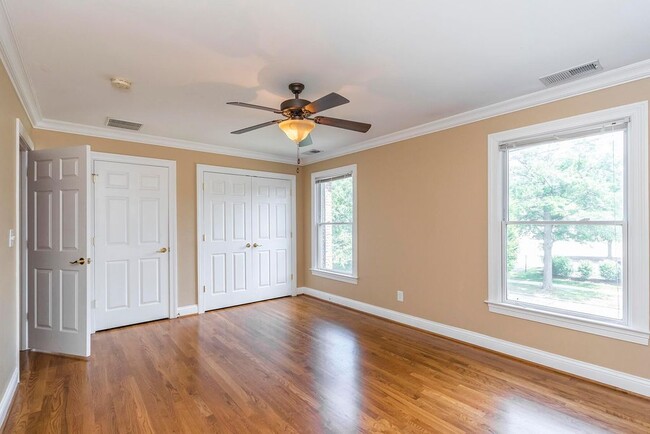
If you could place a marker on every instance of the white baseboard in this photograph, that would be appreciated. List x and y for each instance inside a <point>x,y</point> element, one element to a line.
<point>621,380</point>
<point>8,396</point>
<point>188,310</point>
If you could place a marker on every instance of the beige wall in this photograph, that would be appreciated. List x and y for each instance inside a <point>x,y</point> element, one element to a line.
<point>10,109</point>
<point>186,162</point>
<point>422,205</point>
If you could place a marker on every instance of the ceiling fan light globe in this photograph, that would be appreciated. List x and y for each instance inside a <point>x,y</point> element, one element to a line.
<point>297,129</point>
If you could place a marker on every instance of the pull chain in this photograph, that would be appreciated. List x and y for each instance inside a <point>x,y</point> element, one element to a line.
<point>298,159</point>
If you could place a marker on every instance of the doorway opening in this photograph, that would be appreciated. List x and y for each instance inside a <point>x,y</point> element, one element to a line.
<point>23,146</point>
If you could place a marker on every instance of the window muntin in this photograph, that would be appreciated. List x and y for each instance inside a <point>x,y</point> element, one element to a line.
<point>564,224</point>
<point>334,222</point>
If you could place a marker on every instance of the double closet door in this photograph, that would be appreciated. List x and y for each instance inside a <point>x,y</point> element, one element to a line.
<point>246,242</point>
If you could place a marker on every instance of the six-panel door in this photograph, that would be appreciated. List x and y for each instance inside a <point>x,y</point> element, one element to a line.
<point>271,231</point>
<point>131,243</point>
<point>59,277</point>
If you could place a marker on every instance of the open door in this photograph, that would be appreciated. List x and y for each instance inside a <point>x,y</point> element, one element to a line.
<point>59,276</point>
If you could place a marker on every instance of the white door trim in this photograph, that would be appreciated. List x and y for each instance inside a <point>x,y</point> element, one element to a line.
<point>173,238</point>
<point>201,169</point>
<point>23,143</point>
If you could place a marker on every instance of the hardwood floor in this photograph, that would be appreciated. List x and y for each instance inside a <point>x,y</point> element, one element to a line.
<point>301,365</point>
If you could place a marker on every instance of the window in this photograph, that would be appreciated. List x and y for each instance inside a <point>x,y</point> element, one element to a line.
<point>334,231</point>
<point>568,237</point>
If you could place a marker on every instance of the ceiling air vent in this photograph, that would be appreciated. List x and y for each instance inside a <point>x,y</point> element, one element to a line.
<point>126,125</point>
<point>572,73</point>
<point>313,151</point>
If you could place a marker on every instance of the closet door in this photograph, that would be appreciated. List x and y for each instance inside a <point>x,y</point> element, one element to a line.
<point>131,243</point>
<point>271,233</point>
<point>227,243</point>
<point>246,241</point>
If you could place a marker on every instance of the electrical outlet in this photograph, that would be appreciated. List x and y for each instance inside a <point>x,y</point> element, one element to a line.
<point>400,295</point>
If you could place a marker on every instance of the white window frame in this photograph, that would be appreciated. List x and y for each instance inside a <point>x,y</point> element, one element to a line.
<point>315,212</point>
<point>635,326</point>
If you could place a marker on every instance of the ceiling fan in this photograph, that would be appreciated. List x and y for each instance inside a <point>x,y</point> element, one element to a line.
<point>298,122</point>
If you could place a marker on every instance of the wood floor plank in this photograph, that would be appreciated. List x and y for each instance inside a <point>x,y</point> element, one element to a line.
<point>301,365</point>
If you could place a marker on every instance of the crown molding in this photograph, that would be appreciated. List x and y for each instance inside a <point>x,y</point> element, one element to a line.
<point>148,139</point>
<point>13,63</point>
<point>603,80</point>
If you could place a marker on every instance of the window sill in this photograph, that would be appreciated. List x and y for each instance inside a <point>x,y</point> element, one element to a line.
<point>334,276</point>
<point>581,324</point>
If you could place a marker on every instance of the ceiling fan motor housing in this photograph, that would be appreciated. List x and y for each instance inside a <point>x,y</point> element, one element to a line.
<point>293,107</point>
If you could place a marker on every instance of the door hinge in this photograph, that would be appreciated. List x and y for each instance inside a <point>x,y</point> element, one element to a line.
<point>292,277</point>
<point>203,237</point>
<point>204,289</point>
<point>94,175</point>
<point>92,240</point>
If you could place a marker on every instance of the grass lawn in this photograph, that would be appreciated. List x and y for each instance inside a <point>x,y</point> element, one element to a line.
<point>529,283</point>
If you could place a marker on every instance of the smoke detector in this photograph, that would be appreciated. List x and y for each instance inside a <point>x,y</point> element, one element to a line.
<point>120,83</point>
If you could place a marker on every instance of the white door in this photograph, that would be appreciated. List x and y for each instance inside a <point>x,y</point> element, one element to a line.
<point>271,219</point>
<point>245,251</point>
<point>131,243</point>
<point>59,279</point>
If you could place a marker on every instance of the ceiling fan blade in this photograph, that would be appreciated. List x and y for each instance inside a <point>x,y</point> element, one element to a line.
<point>342,123</point>
<point>254,127</point>
<point>306,142</point>
<point>254,106</point>
<point>326,102</point>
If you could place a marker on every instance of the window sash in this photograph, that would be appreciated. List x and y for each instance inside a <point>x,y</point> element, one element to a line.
<point>505,147</point>
<point>318,186</point>
<point>624,275</point>
<point>320,250</point>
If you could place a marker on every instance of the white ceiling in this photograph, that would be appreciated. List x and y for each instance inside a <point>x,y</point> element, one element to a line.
<point>401,64</point>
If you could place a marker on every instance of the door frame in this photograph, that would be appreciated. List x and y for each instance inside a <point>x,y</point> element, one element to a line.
<point>24,145</point>
<point>201,170</point>
<point>173,224</point>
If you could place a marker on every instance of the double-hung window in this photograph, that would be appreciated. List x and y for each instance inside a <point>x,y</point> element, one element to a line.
<point>334,250</point>
<point>569,223</point>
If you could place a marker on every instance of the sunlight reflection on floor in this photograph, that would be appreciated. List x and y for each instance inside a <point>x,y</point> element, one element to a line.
<point>521,415</point>
<point>337,358</point>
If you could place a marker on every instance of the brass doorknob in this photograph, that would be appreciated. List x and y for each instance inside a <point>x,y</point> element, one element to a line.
<point>163,250</point>
<point>80,261</point>
<point>248,244</point>
<point>257,245</point>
